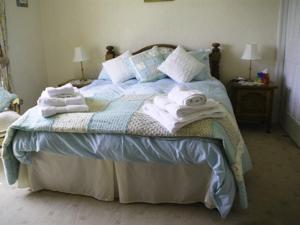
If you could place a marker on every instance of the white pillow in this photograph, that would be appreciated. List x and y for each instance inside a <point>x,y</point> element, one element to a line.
<point>181,66</point>
<point>119,69</point>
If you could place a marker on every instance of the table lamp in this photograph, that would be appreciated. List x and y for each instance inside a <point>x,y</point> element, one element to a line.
<point>250,53</point>
<point>80,56</point>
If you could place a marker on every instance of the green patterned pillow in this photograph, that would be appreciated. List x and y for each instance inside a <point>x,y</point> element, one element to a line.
<point>165,52</point>
<point>5,99</point>
<point>145,65</point>
<point>202,56</point>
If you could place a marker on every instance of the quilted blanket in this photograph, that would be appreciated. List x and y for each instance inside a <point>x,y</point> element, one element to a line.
<point>114,113</point>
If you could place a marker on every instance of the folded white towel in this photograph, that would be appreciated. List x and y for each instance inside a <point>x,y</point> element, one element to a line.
<point>64,91</point>
<point>46,100</point>
<point>177,111</point>
<point>172,124</point>
<point>187,97</point>
<point>48,111</point>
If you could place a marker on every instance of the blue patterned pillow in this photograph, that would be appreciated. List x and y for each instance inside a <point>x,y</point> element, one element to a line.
<point>103,75</point>
<point>5,99</point>
<point>202,56</point>
<point>145,65</point>
<point>165,52</point>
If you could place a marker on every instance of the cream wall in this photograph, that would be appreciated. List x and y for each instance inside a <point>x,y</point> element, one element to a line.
<point>26,51</point>
<point>132,24</point>
<point>42,37</point>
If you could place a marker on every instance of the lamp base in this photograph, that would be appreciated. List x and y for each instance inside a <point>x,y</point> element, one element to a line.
<point>80,83</point>
<point>250,71</point>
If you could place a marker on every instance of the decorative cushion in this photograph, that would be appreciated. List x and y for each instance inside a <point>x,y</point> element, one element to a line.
<point>5,99</point>
<point>202,56</point>
<point>145,65</point>
<point>181,66</point>
<point>119,69</point>
<point>103,75</point>
<point>6,119</point>
<point>165,52</point>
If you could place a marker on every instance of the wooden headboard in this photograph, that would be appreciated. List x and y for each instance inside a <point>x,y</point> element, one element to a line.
<point>214,56</point>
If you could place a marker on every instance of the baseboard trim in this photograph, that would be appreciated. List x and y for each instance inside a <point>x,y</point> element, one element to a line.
<point>292,128</point>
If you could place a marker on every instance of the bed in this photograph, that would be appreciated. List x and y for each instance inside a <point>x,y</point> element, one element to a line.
<point>117,152</point>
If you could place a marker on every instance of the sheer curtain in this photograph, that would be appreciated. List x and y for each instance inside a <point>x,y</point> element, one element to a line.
<point>4,68</point>
<point>291,70</point>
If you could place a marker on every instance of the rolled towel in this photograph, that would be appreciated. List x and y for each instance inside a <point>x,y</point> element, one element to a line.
<point>187,97</point>
<point>172,124</point>
<point>48,111</point>
<point>64,91</point>
<point>46,100</point>
<point>177,111</point>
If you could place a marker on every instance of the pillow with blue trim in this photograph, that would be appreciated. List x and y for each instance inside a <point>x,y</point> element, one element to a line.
<point>103,75</point>
<point>202,56</point>
<point>5,99</point>
<point>145,65</point>
<point>119,69</point>
<point>181,66</point>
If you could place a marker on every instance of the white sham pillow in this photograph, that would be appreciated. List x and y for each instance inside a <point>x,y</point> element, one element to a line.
<point>181,66</point>
<point>119,69</point>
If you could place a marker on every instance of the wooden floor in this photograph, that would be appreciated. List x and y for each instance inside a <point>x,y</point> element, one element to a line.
<point>273,188</point>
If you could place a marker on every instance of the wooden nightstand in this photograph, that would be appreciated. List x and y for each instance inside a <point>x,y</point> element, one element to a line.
<point>253,103</point>
<point>77,83</point>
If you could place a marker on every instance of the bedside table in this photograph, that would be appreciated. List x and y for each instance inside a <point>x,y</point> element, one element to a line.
<point>77,83</point>
<point>253,103</point>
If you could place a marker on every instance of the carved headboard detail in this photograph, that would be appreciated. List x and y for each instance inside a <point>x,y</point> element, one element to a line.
<point>214,56</point>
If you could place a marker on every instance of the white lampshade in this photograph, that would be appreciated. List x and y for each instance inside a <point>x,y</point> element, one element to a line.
<point>250,52</point>
<point>80,55</point>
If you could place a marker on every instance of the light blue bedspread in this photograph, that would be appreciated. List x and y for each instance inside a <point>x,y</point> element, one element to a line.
<point>98,141</point>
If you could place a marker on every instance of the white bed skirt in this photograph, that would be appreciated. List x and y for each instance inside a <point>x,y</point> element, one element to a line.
<point>129,182</point>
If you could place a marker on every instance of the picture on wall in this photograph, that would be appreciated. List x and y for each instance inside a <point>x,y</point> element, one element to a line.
<point>157,0</point>
<point>22,3</point>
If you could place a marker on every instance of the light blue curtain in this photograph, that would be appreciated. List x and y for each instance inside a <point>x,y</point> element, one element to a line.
<point>4,67</point>
<point>291,70</point>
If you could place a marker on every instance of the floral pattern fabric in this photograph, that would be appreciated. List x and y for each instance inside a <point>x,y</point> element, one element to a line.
<point>4,69</point>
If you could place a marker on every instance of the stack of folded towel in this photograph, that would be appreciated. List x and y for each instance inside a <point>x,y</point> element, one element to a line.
<point>65,99</point>
<point>182,107</point>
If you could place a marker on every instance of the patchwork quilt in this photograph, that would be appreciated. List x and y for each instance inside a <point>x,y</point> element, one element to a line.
<point>120,113</point>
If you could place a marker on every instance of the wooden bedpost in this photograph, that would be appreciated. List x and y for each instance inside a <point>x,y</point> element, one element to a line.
<point>214,59</point>
<point>110,54</point>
